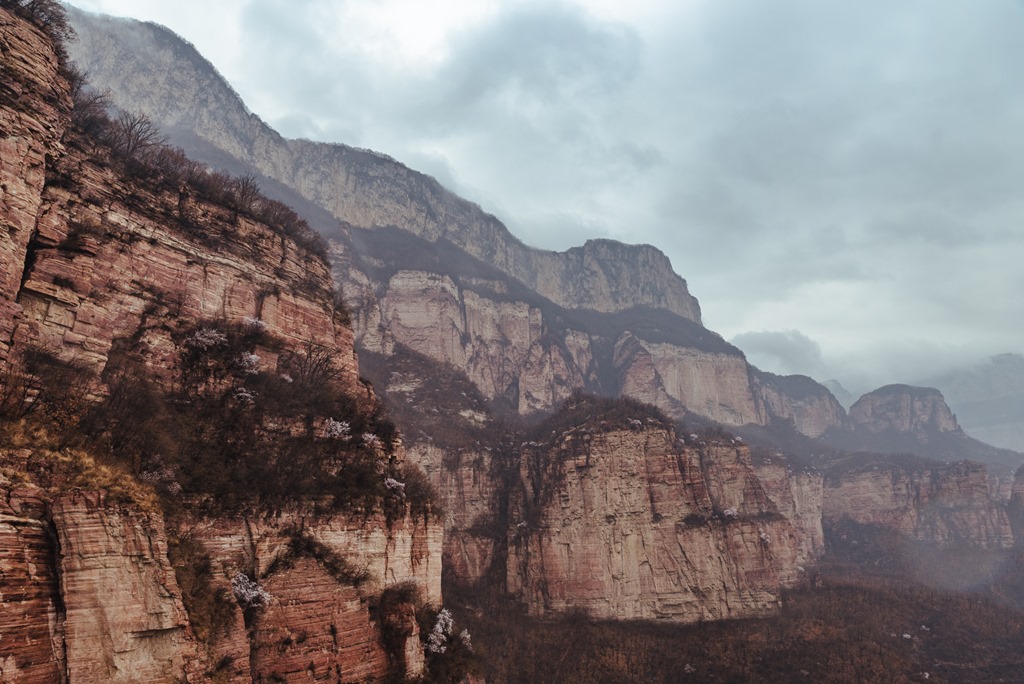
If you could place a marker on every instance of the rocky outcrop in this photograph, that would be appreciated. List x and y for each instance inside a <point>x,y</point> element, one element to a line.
<point>470,494</point>
<point>902,408</point>
<point>813,409</point>
<point>124,620</point>
<point>940,504</point>
<point>632,524</point>
<point>916,420</point>
<point>87,592</point>
<point>34,109</point>
<point>713,383</point>
<point>101,260</point>
<point>112,262</point>
<point>320,624</point>
<point>32,649</point>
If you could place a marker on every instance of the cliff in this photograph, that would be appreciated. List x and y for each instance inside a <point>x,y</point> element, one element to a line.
<point>34,110</point>
<point>916,420</point>
<point>89,593</point>
<point>157,72</point>
<point>148,334</point>
<point>633,523</point>
<point>948,505</point>
<point>903,408</point>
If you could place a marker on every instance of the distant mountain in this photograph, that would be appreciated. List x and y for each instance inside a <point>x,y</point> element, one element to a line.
<point>915,420</point>
<point>842,395</point>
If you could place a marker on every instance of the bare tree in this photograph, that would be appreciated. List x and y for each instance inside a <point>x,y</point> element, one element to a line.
<point>246,193</point>
<point>135,133</point>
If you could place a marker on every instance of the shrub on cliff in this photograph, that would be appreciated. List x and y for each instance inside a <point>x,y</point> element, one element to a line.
<point>47,15</point>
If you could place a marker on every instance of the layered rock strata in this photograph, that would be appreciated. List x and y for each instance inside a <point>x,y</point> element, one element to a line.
<point>190,100</point>
<point>941,504</point>
<point>34,109</point>
<point>96,264</point>
<point>902,408</point>
<point>511,325</point>
<point>633,524</point>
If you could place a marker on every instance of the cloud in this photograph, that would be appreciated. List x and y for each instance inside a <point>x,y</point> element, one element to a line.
<point>785,352</point>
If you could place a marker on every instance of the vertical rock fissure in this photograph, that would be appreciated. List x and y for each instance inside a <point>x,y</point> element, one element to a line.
<point>57,641</point>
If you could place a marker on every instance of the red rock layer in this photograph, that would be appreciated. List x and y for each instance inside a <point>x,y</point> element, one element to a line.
<point>124,617</point>
<point>943,505</point>
<point>34,107</point>
<point>31,616</point>
<point>631,524</point>
<point>316,631</point>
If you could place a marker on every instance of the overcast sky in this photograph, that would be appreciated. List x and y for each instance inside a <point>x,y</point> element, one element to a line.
<point>841,183</point>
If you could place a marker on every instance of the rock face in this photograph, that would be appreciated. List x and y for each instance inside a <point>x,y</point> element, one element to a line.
<point>813,409</point>
<point>88,593</point>
<point>109,262</point>
<point>941,504</point>
<point>916,420</point>
<point>32,650</point>
<point>903,408</point>
<point>124,620</point>
<point>95,264</point>
<point>471,496</point>
<point>318,625</point>
<point>34,106</point>
<point>631,523</point>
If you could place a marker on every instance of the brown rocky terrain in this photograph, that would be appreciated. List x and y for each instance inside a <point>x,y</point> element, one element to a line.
<point>100,580</point>
<point>640,526</point>
<point>948,505</point>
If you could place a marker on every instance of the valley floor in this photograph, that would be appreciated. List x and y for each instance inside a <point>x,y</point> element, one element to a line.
<point>844,624</point>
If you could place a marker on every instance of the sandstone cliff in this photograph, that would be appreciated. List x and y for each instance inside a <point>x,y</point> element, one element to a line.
<point>941,504</point>
<point>34,108</point>
<point>105,266</point>
<point>88,593</point>
<point>157,72</point>
<point>917,420</point>
<point>633,523</point>
<point>903,408</point>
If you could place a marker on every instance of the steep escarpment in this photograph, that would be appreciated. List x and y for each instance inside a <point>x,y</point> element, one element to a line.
<point>430,271</point>
<point>634,523</point>
<point>813,409</point>
<point>157,72</point>
<point>34,110</point>
<point>184,429</point>
<point>948,505</point>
